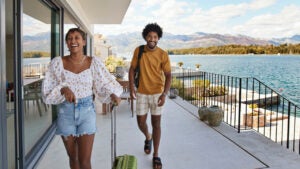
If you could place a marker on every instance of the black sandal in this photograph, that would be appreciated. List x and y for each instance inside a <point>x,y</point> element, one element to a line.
<point>157,163</point>
<point>148,146</point>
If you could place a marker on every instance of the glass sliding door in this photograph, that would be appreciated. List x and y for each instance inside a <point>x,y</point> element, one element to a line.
<point>28,42</point>
<point>40,44</point>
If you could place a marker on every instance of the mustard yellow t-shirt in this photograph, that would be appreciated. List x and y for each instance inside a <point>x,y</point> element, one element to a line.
<point>153,64</point>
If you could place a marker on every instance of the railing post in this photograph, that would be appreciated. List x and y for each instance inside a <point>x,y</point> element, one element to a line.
<point>288,126</point>
<point>204,90</point>
<point>183,77</point>
<point>240,105</point>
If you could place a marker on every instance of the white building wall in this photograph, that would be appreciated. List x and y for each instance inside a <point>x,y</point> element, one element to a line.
<point>101,49</point>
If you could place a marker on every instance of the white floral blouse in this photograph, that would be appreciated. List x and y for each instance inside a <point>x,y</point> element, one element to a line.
<point>95,80</point>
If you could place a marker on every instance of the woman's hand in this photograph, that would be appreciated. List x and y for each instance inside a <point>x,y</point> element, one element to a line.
<point>115,99</point>
<point>69,95</point>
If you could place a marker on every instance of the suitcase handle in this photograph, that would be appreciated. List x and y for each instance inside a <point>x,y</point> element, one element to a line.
<point>113,133</point>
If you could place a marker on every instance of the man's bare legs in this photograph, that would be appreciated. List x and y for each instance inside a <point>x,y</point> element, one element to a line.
<point>142,123</point>
<point>156,130</point>
<point>156,133</point>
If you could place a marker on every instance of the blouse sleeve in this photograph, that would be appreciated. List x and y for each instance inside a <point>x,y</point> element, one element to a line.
<point>104,84</point>
<point>53,83</point>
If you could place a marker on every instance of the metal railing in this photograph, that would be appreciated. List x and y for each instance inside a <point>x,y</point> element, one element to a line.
<point>248,104</point>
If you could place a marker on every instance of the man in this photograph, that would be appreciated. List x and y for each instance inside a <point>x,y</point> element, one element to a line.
<point>154,84</point>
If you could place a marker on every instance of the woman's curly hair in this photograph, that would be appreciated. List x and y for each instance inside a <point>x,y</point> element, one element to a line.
<point>152,27</point>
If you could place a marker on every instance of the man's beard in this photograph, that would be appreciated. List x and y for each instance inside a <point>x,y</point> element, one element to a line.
<point>152,45</point>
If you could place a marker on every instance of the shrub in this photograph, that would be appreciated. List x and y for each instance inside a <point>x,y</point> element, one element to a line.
<point>176,83</point>
<point>112,62</point>
<point>218,91</point>
<point>253,106</point>
<point>201,83</point>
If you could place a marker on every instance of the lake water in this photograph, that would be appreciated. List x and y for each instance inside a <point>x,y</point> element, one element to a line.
<point>281,73</point>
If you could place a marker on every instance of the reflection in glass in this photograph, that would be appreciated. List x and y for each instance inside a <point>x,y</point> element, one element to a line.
<point>10,116</point>
<point>36,56</point>
<point>68,23</point>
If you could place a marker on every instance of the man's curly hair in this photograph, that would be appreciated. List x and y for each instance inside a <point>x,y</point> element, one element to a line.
<point>152,27</point>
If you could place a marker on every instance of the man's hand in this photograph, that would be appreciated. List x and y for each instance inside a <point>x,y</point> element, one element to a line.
<point>161,100</point>
<point>132,94</point>
<point>131,84</point>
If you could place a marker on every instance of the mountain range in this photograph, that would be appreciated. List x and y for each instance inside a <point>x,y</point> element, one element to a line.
<point>126,42</point>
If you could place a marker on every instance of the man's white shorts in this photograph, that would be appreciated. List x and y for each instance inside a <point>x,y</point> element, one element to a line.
<point>144,103</point>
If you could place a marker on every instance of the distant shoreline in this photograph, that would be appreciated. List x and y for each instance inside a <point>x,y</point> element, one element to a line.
<point>234,55</point>
<point>241,49</point>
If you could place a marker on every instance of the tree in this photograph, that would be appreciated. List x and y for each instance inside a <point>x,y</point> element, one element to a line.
<point>180,64</point>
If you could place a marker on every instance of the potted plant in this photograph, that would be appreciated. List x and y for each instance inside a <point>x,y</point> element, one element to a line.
<point>180,64</point>
<point>215,116</point>
<point>197,66</point>
<point>203,113</point>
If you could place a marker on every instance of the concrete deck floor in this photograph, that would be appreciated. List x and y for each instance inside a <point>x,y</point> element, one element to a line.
<point>186,142</point>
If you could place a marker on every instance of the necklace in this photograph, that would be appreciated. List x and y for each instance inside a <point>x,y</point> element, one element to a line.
<point>78,63</point>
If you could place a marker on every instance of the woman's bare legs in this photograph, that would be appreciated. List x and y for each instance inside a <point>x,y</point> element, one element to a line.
<point>72,151</point>
<point>85,146</point>
<point>79,150</point>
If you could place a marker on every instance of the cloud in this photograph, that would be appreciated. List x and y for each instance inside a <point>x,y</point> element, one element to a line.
<point>230,11</point>
<point>284,24</point>
<point>260,4</point>
<point>255,18</point>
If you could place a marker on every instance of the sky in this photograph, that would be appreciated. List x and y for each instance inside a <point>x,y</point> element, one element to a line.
<point>262,19</point>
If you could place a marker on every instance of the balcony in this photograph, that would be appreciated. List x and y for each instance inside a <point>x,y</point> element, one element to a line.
<point>186,142</point>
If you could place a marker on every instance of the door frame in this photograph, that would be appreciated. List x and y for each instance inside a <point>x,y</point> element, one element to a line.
<point>3,123</point>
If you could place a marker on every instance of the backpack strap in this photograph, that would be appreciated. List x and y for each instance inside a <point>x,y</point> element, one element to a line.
<point>141,50</point>
<point>137,68</point>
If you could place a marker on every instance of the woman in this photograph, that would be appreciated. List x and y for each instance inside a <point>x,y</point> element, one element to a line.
<point>71,81</point>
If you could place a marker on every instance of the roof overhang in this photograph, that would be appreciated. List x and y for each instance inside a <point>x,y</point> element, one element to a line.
<point>90,12</point>
<point>85,12</point>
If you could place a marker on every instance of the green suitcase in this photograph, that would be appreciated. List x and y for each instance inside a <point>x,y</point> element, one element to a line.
<point>124,161</point>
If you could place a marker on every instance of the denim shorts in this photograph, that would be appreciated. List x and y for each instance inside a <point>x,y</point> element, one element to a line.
<point>76,119</point>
